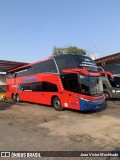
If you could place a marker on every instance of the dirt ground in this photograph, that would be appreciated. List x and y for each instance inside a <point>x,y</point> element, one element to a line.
<point>33,127</point>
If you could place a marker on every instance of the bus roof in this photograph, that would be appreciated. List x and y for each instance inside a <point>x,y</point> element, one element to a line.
<point>30,64</point>
<point>56,57</point>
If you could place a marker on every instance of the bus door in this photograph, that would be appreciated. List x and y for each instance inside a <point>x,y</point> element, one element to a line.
<point>71,87</point>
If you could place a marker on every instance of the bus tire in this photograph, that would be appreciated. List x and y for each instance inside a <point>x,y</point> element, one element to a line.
<point>57,104</point>
<point>18,98</point>
<point>14,97</point>
<point>107,95</point>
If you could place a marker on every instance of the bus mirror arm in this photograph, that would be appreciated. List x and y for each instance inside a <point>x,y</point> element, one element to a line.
<point>107,73</point>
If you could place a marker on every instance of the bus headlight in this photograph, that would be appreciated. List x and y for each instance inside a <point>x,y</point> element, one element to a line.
<point>84,99</point>
<point>113,91</point>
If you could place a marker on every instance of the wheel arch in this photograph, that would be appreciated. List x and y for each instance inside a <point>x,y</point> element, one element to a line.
<point>52,98</point>
<point>106,91</point>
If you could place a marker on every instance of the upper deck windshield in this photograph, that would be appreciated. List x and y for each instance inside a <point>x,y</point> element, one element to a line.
<point>91,85</point>
<point>86,63</point>
<point>68,61</point>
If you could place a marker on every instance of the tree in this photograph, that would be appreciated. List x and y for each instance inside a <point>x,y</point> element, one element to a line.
<point>57,51</point>
<point>68,50</point>
<point>75,50</point>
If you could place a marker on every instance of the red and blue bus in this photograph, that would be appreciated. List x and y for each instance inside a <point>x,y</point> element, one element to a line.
<point>65,81</point>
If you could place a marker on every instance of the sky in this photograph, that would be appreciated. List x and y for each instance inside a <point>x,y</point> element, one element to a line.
<point>29,29</point>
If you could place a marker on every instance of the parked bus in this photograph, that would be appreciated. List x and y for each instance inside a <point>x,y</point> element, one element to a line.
<point>65,81</point>
<point>113,68</point>
<point>111,81</point>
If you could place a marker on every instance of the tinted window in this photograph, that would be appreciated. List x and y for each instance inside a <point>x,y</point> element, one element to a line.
<point>115,82</point>
<point>70,83</point>
<point>47,66</point>
<point>65,62</point>
<point>39,86</point>
<point>115,69</point>
<point>49,87</point>
<point>22,73</point>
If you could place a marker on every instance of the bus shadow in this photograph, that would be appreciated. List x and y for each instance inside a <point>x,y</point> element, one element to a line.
<point>113,99</point>
<point>5,105</point>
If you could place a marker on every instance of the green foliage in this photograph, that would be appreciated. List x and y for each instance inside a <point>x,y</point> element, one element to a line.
<point>75,50</point>
<point>68,50</point>
<point>57,51</point>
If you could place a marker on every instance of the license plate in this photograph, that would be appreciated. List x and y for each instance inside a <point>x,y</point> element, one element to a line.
<point>97,107</point>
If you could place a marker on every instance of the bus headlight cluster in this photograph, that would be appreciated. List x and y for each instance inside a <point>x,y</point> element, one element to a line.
<point>84,99</point>
<point>113,91</point>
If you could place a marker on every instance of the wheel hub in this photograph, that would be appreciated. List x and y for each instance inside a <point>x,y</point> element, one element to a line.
<point>57,104</point>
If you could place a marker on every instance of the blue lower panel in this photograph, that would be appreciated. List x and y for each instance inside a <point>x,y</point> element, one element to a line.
<point>89,105</point>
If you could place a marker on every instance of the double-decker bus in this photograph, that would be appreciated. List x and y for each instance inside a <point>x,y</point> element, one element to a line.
<point>65,81</point>
<point>111,80</point>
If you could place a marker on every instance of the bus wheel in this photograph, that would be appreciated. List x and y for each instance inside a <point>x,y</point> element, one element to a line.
<point>107,95</point>
<point>17,98</point>
<point>14,97</point>
<point>57,104</point>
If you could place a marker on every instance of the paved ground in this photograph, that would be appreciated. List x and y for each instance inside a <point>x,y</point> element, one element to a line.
<point>27,126</point>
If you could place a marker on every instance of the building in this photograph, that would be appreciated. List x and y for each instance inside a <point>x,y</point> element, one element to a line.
<point>9,65</point>
<point>111,59</point>
<point>4,67</point>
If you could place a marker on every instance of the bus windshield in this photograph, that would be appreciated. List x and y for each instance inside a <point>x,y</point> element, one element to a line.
<point>85,63</point>
<point>113,68</point>
<point>115,82</point>
<point>91,85</point>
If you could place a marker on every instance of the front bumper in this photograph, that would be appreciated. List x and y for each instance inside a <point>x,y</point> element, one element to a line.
<point>90,105</point>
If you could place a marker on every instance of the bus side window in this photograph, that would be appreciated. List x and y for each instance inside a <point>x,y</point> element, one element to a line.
<point>49,66</point>
<point>49,87</point>
<point>39,86</point>
<point>71,85</point>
